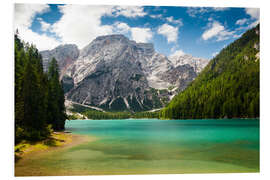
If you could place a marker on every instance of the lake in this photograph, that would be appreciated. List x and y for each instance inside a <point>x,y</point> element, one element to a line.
<point>149,146</point>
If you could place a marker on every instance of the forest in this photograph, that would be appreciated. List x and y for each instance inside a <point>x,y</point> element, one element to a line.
<point>94,114</point>
<point>228,87</point>
<point>39,96</point>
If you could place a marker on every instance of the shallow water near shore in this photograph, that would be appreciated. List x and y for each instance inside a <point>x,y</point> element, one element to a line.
<point>152,146</point>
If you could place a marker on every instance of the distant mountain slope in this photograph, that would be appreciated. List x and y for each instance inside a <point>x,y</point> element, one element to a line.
<point>227,87</point>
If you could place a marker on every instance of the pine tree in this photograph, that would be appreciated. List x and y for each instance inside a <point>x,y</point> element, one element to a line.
<point>34,113</point>
<point>34,108</point>
<point>19,104</point>
<point>56,99</point>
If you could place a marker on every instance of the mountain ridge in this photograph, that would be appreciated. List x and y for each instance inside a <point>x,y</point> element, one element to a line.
<point>116,73</point>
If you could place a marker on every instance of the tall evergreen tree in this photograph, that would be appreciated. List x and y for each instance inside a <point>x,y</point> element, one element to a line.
<point>39,97</point>
<point>19,103</point>
<point>34,115</point>
<point>56,99</point>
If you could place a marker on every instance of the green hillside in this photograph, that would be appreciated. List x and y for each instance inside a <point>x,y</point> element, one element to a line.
<point>227,87</point>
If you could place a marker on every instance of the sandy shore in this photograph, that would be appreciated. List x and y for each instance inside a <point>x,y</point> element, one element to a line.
<point>58,141</point>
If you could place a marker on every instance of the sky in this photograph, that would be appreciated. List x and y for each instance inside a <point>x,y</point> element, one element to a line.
<point>199,31</point>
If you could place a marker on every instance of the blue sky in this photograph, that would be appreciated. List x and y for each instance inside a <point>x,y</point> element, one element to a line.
<point>201,32</point>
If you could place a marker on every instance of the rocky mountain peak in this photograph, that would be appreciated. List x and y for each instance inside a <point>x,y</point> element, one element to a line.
<point>112,36</point>
<point>65,55</point>
<point>197,63</point>
<point>146,48</point>
<point>113,72</point>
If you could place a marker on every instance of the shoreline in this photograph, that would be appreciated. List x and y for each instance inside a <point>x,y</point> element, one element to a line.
<point>58,141</point>
<point>257,118</point>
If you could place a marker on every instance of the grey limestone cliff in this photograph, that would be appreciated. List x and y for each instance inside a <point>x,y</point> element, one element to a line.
<point>115,73</point>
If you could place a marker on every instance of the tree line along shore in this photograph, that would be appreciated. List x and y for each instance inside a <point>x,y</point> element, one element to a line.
<point>39,96</point>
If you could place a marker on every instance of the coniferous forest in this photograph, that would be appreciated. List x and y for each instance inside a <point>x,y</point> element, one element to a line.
<point>228,86</point>
<point>39,96</point>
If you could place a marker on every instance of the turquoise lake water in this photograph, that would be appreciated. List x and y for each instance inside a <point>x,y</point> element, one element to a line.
<point>158,146</point>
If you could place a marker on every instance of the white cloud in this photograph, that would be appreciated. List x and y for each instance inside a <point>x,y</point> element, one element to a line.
<point>254,13</point>
<point>23,18</point>
<point>121,27</point>
<point>80,24</point>
<point>42,41</point>
<point>241,21</point>
<point>220,8</point>
<point>193,11</point>
<point>25,13</point>
<point>174,21</point>
<point>225,34</point>
<point>129,11</point>
<point>218,31</point>
<point>170,32</point>
<point>141,34</point>
<point>44,26</point>
<point>247,23</point>
<point>137,34</point>
<point>253,24</point>
<point>178,52</point>
<point>169,19</point>
<point>237,35</point>
<point>156,16</point>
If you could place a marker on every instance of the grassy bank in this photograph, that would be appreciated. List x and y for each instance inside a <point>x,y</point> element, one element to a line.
<point>57,140</point>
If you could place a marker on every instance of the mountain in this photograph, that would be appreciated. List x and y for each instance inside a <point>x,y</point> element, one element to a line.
<point>65,55</point>
<point>179,77</point>
<point>197,63</point>
<point>118,74</point>
<point>111,73</point>
<point>227,87</point>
